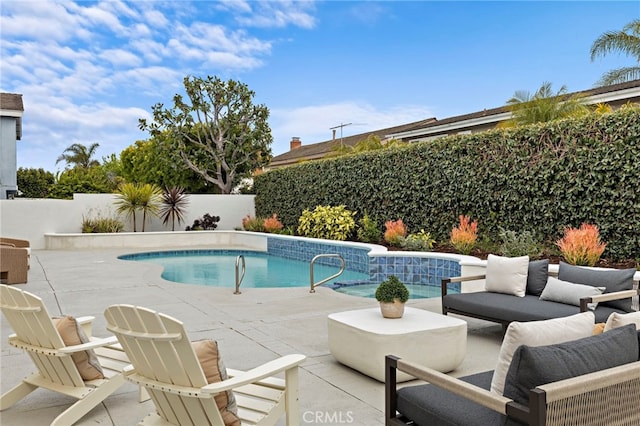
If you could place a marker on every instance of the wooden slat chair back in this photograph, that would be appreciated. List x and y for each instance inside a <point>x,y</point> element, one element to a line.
<point>164,361</point>
<point>36,333</point>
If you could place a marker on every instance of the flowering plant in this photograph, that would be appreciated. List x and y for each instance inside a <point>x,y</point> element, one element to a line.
<point>581,246</point>
<point>272,224</point>
<point>395,231</point>
<point>254,224</point>
<point>465,235</point>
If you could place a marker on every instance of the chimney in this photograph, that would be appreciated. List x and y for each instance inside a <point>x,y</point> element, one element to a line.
<point>295,143</point>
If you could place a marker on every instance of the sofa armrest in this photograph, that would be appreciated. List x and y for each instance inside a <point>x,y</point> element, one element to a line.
<point>476,394</point>
<point>605,297</point>
<point>447,281</point>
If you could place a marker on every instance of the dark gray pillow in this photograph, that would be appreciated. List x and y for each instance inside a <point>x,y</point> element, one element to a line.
<point>537,276</point>
<point>613,280</point>
<point>538,365</point>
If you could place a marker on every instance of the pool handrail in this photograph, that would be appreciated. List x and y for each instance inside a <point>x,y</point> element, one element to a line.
<point>311,280</point>
<point>239,277</point>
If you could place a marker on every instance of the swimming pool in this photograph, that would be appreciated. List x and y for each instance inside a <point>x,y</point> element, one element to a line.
<point>217,268</point>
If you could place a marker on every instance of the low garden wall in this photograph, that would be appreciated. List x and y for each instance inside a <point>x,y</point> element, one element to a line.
<point>31,219</point>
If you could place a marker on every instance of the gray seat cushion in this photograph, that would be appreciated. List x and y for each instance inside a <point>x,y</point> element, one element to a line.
<point>504,307</point>
<point>429,405</point>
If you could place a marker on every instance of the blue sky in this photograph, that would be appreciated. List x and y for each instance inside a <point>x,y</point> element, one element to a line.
<point>88,70</point>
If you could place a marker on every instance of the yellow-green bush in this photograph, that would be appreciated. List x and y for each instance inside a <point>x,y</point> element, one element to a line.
<point>328,222</point>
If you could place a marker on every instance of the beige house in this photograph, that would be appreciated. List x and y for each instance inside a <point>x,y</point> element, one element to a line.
<point>11,109</point>
<point>432,128</point>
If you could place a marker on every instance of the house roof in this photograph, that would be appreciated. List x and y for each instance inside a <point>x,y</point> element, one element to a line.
<point>320,149</point>
<point>11,106</point>
<point>615,93</point>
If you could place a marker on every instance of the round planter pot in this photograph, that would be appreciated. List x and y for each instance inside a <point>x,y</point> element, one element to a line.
<point>392,310</point>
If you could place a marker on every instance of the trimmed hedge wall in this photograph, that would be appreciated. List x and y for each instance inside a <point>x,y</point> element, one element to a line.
<point>539,178</point>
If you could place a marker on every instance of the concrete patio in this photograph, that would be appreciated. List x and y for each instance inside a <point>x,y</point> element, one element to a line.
<point>251,328</point>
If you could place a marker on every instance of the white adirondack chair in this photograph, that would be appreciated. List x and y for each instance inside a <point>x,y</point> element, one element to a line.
<point>36,333</point>
<point>164,361</point>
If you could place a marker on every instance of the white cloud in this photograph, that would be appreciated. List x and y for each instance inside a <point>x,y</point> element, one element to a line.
<point>50,129</point>
<point>38,21</point>
<point>155,18</point>
<point>100,17</point>
<point>121,57</point>
<point>279,14</point>
<point>89,71</point>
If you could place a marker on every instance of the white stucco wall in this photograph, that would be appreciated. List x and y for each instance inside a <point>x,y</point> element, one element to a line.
<point>31,219</point>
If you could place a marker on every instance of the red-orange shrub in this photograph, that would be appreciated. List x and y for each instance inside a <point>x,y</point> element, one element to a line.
<point>272,224</point>
<point>395,231</point>
<point>465,235</point>
<point>581,246</point>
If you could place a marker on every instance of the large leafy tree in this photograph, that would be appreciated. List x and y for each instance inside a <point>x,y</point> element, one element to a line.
<point>627,42</point>
<point>544,105</point>
<point>221,134</point>
<point>157,161</point>
<point>92,180</point>
<point>79,155</point>
<point>34,183</point>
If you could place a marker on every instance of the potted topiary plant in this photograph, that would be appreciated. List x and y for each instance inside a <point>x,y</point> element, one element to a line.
<point>392,295</point>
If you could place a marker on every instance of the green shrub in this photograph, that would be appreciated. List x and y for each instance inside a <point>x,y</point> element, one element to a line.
<point>421,241</point>
<point>34,183</point>
<point>328,222</point>
<point>515,178</point>
<point>518,244</point>
<point>390,289</point>
<point>101,225</point>
<point>368,231</point>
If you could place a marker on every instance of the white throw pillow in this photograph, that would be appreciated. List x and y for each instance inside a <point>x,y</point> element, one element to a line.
<point>507,275</point>
<point>569,293</point>
<point>616,320</point>
<point>539,333</point>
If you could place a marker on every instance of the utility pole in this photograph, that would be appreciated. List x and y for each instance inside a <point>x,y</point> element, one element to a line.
<point>341,126</point>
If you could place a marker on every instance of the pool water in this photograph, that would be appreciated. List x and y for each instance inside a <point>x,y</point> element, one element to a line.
<point>217,268</point>
<point>416,291</point>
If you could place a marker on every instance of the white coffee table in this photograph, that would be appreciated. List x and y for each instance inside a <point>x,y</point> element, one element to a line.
<point>362,338</point>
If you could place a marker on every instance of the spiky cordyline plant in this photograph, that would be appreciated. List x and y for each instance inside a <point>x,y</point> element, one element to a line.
<point>173,205</point>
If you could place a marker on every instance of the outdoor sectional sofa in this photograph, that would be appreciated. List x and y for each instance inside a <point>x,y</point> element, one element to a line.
<point>594,380</point>
<point>620,294</point>
<point>14,260</point>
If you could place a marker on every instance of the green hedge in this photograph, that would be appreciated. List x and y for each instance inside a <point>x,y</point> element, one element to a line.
<point>538,178</point>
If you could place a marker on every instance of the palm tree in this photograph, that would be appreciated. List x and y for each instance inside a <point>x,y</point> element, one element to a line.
<point>78,155</point>
<point>128,201</point>
<point>174,201</point>
<point>149,198</point>
<point>542,106</point>
<point>627,42</point>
